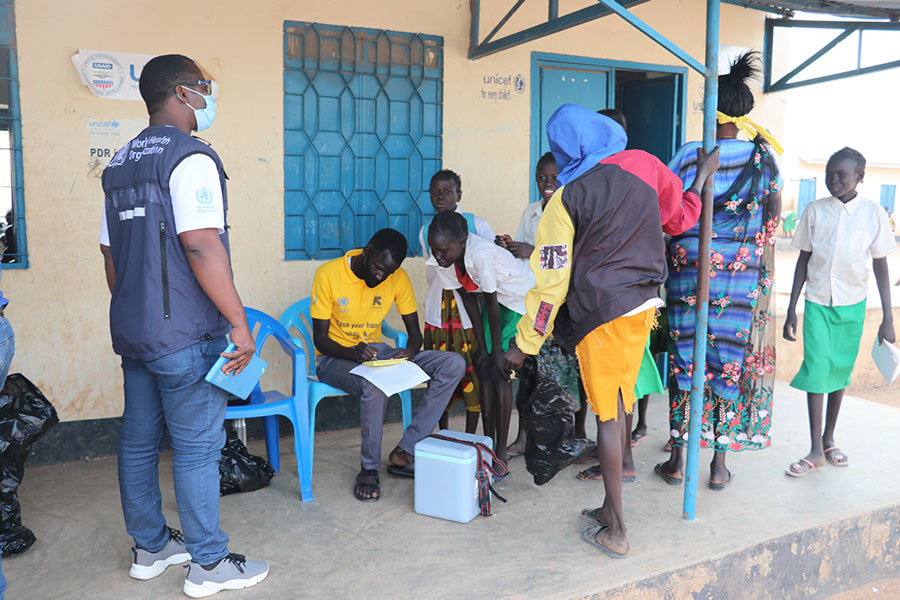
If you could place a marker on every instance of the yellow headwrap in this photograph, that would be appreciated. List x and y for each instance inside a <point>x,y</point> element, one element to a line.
<point>751,129</point>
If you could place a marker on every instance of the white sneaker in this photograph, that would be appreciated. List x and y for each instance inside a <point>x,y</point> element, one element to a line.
<point>234,572</point>
<point>147,565</point>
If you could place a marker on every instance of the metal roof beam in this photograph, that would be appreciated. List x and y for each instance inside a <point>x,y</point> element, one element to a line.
<point>554,24</point>
<point>503,21</point>
<point>836,76</point>
<point>654,35</point>
<point>787,8</point>
<point>847,28</point>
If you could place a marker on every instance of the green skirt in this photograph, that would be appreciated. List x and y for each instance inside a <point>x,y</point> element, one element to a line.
<point>648,381</point>
<point>509,319</point>
<point>831,337</point>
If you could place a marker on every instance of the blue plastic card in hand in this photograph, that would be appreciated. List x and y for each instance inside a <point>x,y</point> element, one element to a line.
<point>239,385</point>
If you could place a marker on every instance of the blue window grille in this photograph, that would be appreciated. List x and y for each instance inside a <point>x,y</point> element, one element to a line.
<point>12,193</point>
<point>362,135</point>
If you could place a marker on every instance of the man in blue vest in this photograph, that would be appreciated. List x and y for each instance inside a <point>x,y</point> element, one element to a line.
<point>166,253</point>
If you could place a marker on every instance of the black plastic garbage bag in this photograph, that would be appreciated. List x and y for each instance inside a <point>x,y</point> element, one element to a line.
<point>25,415</point>
<point>240,471</point>
<point>547,401</point>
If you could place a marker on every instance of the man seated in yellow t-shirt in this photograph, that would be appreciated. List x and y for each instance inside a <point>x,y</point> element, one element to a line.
<point>351,296</point>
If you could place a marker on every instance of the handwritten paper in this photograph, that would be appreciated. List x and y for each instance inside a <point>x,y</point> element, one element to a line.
<point>393,379</point>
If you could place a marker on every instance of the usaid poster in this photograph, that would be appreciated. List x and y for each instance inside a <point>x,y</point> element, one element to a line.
<point>111,75</point>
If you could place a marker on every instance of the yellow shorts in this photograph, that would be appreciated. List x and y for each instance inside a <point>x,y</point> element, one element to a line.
<point>610,359</point>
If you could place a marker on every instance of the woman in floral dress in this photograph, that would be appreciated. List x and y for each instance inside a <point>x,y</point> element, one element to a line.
<point>740,369</point>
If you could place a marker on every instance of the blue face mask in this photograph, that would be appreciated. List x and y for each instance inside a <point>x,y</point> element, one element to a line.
<point>205,116</point>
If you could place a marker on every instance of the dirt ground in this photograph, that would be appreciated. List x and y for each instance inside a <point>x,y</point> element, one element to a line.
<point>882,395</point>
<point>889,589</point>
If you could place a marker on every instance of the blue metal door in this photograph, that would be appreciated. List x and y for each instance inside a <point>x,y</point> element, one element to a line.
<point>888,191</point>
<point>807,194</point>
<point>579,86</point>
<point>362,135</point>
<point>650,109</point>
<point>559,84</point>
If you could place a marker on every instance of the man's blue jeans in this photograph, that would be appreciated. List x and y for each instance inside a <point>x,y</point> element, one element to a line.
<point>169,394</point>
<point>7,349</point>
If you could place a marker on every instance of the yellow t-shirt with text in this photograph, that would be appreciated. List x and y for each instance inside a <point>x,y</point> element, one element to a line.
<point>355,310</point>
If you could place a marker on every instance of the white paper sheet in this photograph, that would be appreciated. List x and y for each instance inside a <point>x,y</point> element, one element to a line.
<point>887,359</point>
<point>393,379</point>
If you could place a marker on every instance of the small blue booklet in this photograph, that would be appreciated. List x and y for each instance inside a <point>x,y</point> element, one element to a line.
<point>239,385</point>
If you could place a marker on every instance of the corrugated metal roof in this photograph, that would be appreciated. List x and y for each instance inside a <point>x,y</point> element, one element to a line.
<point>884,9</point>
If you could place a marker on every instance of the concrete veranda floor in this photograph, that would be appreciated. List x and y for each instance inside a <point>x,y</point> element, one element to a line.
<point>337,547</point>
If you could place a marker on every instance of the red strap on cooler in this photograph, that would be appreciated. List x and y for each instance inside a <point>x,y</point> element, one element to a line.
<point>483,471</point>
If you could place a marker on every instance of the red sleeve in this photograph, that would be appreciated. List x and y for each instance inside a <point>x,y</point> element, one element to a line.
<point>678,210</point>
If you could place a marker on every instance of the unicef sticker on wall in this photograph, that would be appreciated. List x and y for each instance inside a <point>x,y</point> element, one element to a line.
<point>519,83</point>
<point>111,75</point>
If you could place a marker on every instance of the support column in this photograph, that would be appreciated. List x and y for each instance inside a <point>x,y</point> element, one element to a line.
<point>698,378</point>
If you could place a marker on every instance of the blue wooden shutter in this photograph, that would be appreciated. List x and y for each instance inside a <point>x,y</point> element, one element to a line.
<point>888,192</point>
<point>362,135</point>
<point>807,194</point>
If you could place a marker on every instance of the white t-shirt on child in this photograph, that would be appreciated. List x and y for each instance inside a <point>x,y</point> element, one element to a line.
<point>492,269</point>
<point>841,238</point>
<point>528,225</point>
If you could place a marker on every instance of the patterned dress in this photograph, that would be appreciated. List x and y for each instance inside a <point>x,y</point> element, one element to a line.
<point>452,336</point>
<point>740,368</point>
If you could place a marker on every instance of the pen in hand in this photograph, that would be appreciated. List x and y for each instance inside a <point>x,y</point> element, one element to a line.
<point>366,352</point>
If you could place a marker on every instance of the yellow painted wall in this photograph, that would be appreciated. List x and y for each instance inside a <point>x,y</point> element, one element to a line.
<point>59,304</point>
<point>870,188</point>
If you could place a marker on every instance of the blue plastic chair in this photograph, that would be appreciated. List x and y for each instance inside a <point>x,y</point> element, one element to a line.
<point>296,317</point>
<point>270,404</point>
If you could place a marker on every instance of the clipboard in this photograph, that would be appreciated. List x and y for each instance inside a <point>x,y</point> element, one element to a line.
<point>238,385</point>
<point>385,362</point>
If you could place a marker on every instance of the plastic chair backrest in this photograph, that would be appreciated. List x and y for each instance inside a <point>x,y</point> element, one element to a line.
<point>270,328</point>
<point>296,318</point>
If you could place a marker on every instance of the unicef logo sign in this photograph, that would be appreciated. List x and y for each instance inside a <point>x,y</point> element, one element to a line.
<point>519,83</point>
<point>103,73</point>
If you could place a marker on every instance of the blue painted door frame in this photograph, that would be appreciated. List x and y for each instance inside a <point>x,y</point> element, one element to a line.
<point>565,65</point>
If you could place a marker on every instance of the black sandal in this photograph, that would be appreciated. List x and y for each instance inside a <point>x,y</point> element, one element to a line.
<point>364,485</point>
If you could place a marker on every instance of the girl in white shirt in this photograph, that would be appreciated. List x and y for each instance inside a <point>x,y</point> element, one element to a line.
<point>836,236</point>
<point>523,244</point>
<point>447,326</point>
<point>476,266</point>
